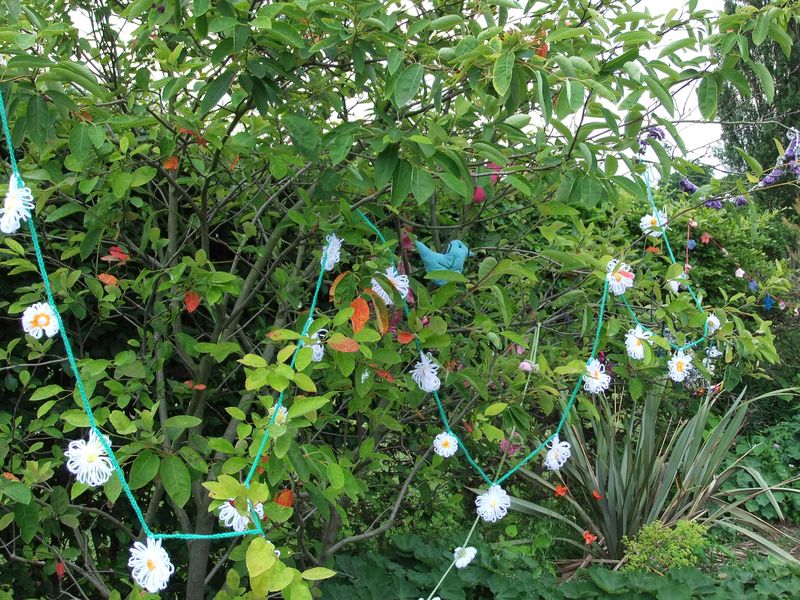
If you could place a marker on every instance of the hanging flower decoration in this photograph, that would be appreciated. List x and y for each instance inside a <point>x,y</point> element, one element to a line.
<point>332,252</point>
<point>150,565</point>
<point>493,504</point>
<point>589,538</point>
<point>561,491</point>
<point>426,374</point>
<point>619,276</point>
<point>635,340</point>
<point>38,319</point>
<point>281,417</point>
<point>557,454</point>
<point>445,444</point>
<point>753,285</point>
<point>675,284</point>
<point>654,223</point>
<point>17,206</point>
<point>679,366</point>
<point>318,348</point>
<point>400,283</point>
<point>463,556</point>
<point>595,380</point>
<point>88,461</point>
<point>713,324</point>
<point>597,495</point>
<point>235,520</point>
<point>739,273</point>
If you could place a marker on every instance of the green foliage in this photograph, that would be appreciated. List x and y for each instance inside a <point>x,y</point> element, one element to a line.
<point>657,549</point>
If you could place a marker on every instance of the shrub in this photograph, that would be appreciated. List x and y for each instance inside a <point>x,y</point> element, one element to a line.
<point>657,548</point>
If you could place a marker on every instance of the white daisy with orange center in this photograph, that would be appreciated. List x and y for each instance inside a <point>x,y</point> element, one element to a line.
<point>680,365</point>
<point>426,374</point>
<point>445,444</point>
<point>150,565</point>
<point>620,277</point>
<point>493,504</point>
<point>635,341</point>
<point>40,319</point>
<point>595,380</point>
<point>88,461</point>
<point>557,454</point>
<point>654,224</point>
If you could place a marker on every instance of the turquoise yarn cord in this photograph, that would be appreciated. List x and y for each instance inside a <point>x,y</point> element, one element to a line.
<point>446,421</point>
<point>257,530</point>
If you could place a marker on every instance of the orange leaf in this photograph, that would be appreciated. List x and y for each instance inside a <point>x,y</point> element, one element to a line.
<point>191,300</point>
<point>383,374</point>
<point>339,277</point>
<point>107,279</point>
<point>343,344</point>
<point>171,164</point>
<point>195,386</point>
<point>404,337</point>
<point>360,314</point>
<point>381,311</point>
<point>285,498</point>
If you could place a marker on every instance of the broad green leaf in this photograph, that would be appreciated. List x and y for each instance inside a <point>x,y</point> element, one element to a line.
<point>707,97</point>
<point>260,556</point>
<point>408,84</point>
<point>501,74</point>
<point>176,479</point>
<point>216,89</point>
<point>318,573</point>
<point>765,78</point>
<point>143,470</point>
<point>182,422</point>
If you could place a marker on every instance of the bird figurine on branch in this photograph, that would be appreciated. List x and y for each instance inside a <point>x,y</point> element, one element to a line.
<point>452,260</point>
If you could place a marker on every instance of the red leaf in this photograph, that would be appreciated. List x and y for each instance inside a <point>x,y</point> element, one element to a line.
<point>107,279</point>
<point>360,314</point>
<point>382,374</point>
<point>404,337</point>
<point>285,498</point>
<point>343,344</point>
<point>60,569</point>
<point>337,281</point>
<point>195,386</point>
<point>191,301</point>
<point>185,131</point>
<point>171,164</point>
<point>115,253</point>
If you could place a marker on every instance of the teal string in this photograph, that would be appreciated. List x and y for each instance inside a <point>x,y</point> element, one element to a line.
<point>257,530</point>
<point>440,407</point>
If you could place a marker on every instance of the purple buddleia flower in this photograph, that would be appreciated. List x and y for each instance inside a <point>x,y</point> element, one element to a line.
<point>691,244</point>
<point>687,186</point>
<point>772,177</point>
<point>657,133</point>
<point>740,201</point>
<point>643,146</point>
<point>753,285</point>
<point>716,204</point>
<point>791,150</point>
<point>794,167</point>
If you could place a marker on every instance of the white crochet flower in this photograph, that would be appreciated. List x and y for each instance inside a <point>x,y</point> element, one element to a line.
<point>675,284</point>
<point>17,206</point>
<point>679,366</point>
<point>425,374</point>
<point>464,556</point>
<point>713,324</point>
<point>400,283</point>
<point>557,454</point>
<point>150,565</point>
<point>651,224</point>
<point>232,518</point>
<point>333,252</point>
<point>493,504</point>
<point>282,416</point>
<point>88,461</point>
<point>619,278</point>
<point>445,444</point>
<point>40,319</point>
<point>595,380</point>
<point>635,340</point>
<point>318,348</point>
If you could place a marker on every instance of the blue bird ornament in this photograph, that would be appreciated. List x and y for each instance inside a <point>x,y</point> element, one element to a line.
<point>452,260</point>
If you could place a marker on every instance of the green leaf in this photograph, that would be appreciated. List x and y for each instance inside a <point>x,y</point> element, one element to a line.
<point>422,185</point>
<point>765,78</point>
<point>761,28</point>
<point>303,406</point>
<point>495,409</point>
<point>707,97</point>
<point>335,475</point>
<point>304,382</point>
<point>408,84</point>
<point>318,573</point>
<point>446,276</point>
<point>143,470</point>
<point>16,491</point>
<point>260,556</point>
<point>45,392</point>
<point>176,479</point>
<point>446,22</point>
<point>182,422</point>
<point>216,90</point>
<point>304,135</point>
<point>501,74</point>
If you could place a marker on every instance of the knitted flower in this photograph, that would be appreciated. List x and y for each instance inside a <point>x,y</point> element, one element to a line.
<point>619,276</point>
<point>652,224</point>
<point>772,177</point>
<point>17,206</point>
<point>768,303</point>
<point>232,518</point>
<point>557,454</point>
<point>634,342</point>
<point>595,380</point>
<point>281,417</point>
<point>679,366</point>
<point>675,284</point>
<point>526,366</point>
<point>318,348</point>
<point>464,556</point>
<point>332,252</point>
<point>753,285</point>
<point>400,283</point>
<point>150,565</point>
<point>88,461</point>
<point>691,244</point>
<point>740,201</point>
<point>739,272</point>
<point>445,444</point>
<point>425,374</point>
<point>713,324</point>
<point>40,319</point>
<point>493,504</point>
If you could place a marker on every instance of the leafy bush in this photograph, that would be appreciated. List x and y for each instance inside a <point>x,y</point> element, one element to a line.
<point>656,548</point>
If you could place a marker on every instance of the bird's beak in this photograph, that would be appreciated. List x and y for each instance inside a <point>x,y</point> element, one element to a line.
<point>470,253</point>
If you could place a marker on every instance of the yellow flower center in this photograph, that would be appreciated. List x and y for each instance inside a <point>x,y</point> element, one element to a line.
<point>596,374</point>
<point>493,502</point>
<point>151,565</point>
<point>445,443</point>
<point>638,342</point>
<point>653,221</point>
<point>91,457</point>
<point>41,320</point>
<point>680,366</point>
<point>618,277</point>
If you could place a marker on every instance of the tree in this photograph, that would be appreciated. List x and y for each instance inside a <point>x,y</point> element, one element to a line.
<point>188,160</point>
